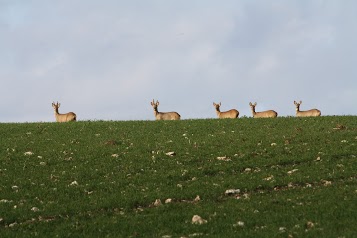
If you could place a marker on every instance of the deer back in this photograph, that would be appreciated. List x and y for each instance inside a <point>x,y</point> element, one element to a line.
<point>233,113</point>
<point>266,114</point>
<point>168,116</point>
<point>309,113</point>
<point>66,117</point>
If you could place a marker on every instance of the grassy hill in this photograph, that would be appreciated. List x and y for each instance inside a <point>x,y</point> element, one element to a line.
<point>283,177</point>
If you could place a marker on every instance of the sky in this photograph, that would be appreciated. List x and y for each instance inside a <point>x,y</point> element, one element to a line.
<point>107,60</point>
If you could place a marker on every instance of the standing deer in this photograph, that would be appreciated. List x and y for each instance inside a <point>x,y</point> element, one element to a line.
<point>309,113</point>
<point>269,113</point>
<point>233,113</point>
<point>164,115</point>
<point>63,117</point>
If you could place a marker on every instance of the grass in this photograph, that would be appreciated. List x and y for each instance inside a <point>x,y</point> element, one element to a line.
<point>296,178</point>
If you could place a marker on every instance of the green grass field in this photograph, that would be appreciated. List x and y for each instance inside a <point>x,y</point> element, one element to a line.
<point>291,177</point>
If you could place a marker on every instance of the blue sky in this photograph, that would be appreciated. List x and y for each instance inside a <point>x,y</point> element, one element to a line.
<point>106,60</point>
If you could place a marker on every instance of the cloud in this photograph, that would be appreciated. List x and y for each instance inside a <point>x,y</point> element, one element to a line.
<point>108,60</point>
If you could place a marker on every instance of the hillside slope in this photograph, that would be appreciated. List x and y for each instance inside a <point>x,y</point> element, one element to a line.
<point>244,177</point>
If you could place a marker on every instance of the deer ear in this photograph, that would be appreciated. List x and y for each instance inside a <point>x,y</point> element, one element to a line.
<point>300,102</point>
<point>157,102</point>
<point>220,103</point>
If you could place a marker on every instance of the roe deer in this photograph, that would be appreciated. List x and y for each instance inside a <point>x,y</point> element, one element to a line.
<point>309,113</point>
<point>269,113</point>
<point>233,113</point>
<point>164,115</point>
<point>63,117</point>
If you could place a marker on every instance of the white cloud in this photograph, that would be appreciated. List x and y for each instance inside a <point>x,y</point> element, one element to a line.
<point>108,60</point>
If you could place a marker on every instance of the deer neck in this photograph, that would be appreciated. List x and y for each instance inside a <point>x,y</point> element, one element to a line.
<point>218,111</point>
<point>56,112</point>
<point>156,112</point>
<point>253,111</point>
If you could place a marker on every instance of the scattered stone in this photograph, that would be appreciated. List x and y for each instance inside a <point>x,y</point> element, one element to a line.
<point>35,209</point>
<point>74,183</point>
<point>157,203</point>
<point>292,171</point>
<point>197,199</point>
<point>239,223</point>
<point>231,191</point>
<point>197,220</point>
<point>171,153</point>
<point>326,182</point>
<point>12,224</point>
<point>310,225</point>
<point>224,158</point>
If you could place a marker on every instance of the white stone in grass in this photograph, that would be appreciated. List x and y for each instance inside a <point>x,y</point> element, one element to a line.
<point>15,187</point>
<point>326,182</point>
<point>12,224</point>
<point>197,220</point>
<point>224,158</point>
<point>74,183</point>
<point>232,191</point>
<point>239,223</point>
<point>157,203</point>
<point>171,153</point>
<point>35,209</point>
<point>269,178</point>
<point>169,200</point>
<point>115,155</point>
<point>197,199</point>
<point>273,144</point>
<point>5,201</point>
<point>28,153</point>
<point>310,225</point>
<point>292,171</point>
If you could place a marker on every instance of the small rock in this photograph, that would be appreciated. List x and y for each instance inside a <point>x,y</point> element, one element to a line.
<point>35,209</point>
<point>224,158</point>
<point>232,191</point>
<point>239,223</point>
<point>309,225</point>
<point>196,219</point>
<point>74,183</point>
<point>157,203</point>
<point>171,153</point>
